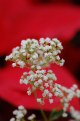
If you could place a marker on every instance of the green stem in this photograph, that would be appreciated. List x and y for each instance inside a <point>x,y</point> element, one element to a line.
<point>42,112</point>
<point>23,119</point>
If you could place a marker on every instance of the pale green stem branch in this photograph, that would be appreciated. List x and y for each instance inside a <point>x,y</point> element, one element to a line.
<point>42,112</point>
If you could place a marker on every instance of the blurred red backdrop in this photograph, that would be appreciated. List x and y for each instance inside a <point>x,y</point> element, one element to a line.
<point>20,19</point>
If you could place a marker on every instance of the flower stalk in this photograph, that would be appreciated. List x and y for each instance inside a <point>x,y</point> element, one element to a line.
<point>42,112</point>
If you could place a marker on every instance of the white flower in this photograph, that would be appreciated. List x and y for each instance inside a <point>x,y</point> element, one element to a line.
<point>12,119</point>
<point>24,54</point>
<point>50,71</point>
<point>31,50</point>
<point>75,86</point>
<point>41,40</point>
<point>41,88</point>
<point>51,101</point>
<point>62,62</point>
<point>21,64</point>
<point>23,43</point>
<point>35,41</point>
<point>15,50</point>
<point>21,81</point>
<point>32,47</point>
<point>56,40</point>
<point>21,107</point>
<point>75,113</point>
<point>40,81</point>
<point>50,95</point>
<point>13,64</point>
<point>50,82</point>
<point>46,85</point>
<point>47,47</point>
<point>24,73</point>
<point>57,57</point>
<point>29,92</point>
<point>64,114</point>
<point>19,115</point>
<point>36,84</point>
<point>48,39</point>
<point>35,56</point>
<point>60,46</point>
<point>46,91</point>
<point>33,67</point>
<point>22,50</point>
<point>32,117</point>
<point>38,67</point>
<point>78,93</point>
<point>45,78</point>
<point>9,57</point>
<point>49,54</point>
<point>52,43</point>
<point>32,53</point>
<point>39,100</point>
<point>44,95</point>
<point>15,112</point>
<point>56,93</point>
<point>45,54</point>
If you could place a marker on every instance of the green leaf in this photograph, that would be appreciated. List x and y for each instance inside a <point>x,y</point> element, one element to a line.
<point>54,115</point>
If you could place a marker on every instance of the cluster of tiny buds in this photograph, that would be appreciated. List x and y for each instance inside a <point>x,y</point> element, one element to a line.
<point>40,80</point>
<point>20,114</point>
<point>46,82</point>
<point>33,53</point>
<point>66,95</point>
<point>36,54</point>
<point>75,114</point>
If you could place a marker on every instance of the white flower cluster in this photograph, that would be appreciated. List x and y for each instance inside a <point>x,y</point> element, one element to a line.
<point>46,82</point>
<point>66,95</point>
<point>42,80</point>
<point>75,114</point>
<point>35,53</point>
<point>19,114</point>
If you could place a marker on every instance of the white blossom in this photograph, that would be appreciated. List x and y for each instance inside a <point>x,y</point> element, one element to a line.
<point>62,62</point>
<point>12,119</point>
<point>21,81</point>
<point>39,100</point>
<point>38,67</point>
<point>41,40</point>
<point>50,95</point>
<point>75,113</point>
<point>40,81</point>
<point>36,84</point>
<point>21,63</point>
<point>78,93</point>
<point>45,78</point>
<point>19,113</point>
<point>46,85</point>
<point>31,117</point>
<point>13,64</point>
<point>64,114</point>
<point>37,53</point>
<point>29,92</point>
<point>51,101</point>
